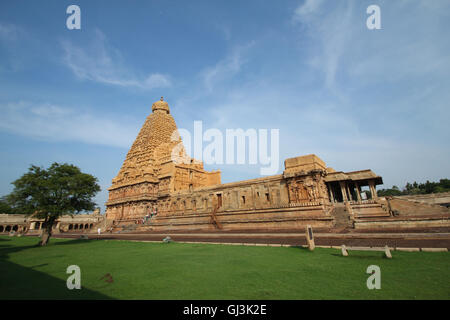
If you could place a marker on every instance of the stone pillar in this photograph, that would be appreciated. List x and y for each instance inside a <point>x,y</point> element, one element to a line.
<point>32,225</point>
<point>358,192</point>
<point>330,190</point>
<point>344,193</point>
<point>350,198</point>
<point>373,190</point>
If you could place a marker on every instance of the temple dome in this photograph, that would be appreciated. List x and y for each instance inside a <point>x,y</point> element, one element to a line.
<point>161,105</point>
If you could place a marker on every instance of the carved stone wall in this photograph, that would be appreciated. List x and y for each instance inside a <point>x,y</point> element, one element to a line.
<point>308,187</point>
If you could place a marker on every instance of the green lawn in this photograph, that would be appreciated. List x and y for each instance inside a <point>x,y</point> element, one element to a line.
<point>197,271</point>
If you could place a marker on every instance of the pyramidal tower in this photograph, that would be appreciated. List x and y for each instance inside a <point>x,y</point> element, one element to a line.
<point>155,167</point>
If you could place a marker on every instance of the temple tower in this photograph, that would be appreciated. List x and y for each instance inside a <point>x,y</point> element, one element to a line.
<point>155,167</point>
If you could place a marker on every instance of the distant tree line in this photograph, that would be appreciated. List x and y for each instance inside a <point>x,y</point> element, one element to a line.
<point>417,188</point>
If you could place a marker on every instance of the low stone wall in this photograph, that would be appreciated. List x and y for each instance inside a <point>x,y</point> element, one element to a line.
<point>407,207</point>
<point>442,198</point>
<point>402,224</point>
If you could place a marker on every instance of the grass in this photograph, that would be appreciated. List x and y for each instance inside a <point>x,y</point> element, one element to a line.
<point>143,270</point>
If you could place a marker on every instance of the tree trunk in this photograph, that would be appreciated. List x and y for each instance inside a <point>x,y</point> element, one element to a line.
<point>47,231</point>
<point>45,238</point>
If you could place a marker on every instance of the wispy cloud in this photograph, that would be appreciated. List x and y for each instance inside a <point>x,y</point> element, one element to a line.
<point>104,64</point>
<point>306,9</point>
<point>331,32</point>
<point>226,68</point>
<point>51,122</point>
<point>12,37</point>
<point>408,46</point>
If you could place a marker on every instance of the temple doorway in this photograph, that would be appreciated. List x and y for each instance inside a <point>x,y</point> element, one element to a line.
<point>219,200</point>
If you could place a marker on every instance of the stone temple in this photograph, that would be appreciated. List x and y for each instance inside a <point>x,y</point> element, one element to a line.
<point>184,196</point>
<point>155,192</point>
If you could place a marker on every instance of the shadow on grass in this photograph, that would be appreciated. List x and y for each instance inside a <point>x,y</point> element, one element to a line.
<point>67,241</point>
<point>71,241</point>
<point>304,249</point>
<point>19,282</point>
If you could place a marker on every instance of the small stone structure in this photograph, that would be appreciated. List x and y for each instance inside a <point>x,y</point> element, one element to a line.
<point>310,238</point>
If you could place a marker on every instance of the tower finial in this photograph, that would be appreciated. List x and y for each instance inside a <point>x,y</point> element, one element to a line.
<point>160,105</point>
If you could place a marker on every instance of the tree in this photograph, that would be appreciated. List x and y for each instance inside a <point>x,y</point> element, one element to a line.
<point>395,191</point>
<point>49,193</point>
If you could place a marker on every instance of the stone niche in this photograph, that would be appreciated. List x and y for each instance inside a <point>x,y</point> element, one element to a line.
<point>307,188</point>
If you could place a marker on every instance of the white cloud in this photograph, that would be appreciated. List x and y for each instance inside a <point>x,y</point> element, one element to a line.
<point>49,122</point>
<point>102,63</point>
<point>306,9</point>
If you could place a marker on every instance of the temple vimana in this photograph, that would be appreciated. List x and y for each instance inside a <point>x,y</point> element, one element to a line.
<point>184,196</point>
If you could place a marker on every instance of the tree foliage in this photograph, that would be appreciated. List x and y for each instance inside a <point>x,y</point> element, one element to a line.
<point>5,206</point>
<point>417,188</point>
<point>49,193</point>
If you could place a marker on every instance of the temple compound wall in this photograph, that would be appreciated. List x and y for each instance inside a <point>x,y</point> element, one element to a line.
<point>159,193</point>
<point>66,223</point>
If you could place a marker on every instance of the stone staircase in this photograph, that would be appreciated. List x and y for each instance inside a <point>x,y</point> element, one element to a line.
<point>341,218</point>
<point>214,219</point>
<point>126,228</point>
<point>373,210</point>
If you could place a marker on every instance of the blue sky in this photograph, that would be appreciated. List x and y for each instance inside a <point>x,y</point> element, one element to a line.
<point>357,98</point>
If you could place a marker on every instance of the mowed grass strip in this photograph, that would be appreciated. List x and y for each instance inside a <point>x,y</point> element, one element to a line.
<point>142,270</point>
